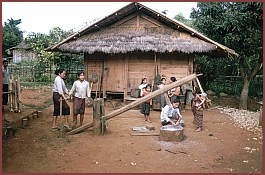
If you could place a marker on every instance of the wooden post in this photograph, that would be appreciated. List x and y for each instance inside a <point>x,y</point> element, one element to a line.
<point>97,115</point>
<point>11,95</point>
<point>126,77</point>
<point>138,101</point>
<point>103,121</point>
<point>19,95</point>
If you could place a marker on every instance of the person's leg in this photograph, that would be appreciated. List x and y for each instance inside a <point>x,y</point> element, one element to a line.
<point>74,118</point>
<point>5,96</point>
<point>148,112</point>
<point>54,120</point>
<point>81,119</point>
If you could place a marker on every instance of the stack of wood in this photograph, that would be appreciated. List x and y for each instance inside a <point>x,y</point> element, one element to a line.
<point>14,95</point>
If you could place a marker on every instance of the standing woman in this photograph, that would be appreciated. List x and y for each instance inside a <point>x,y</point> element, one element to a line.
<point>59,90</point>
<point>5,82</point>
<point>82,91</point>
<point>163,102</point>
<point>198,104</point>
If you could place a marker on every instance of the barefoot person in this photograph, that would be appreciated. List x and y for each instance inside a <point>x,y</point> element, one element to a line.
<point>82,90</point>
<point>198,104</point>
<point>59,90</point>
<point>146,105</point>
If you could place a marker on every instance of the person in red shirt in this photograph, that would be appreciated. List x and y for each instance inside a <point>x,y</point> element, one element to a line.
<point>146,105</point>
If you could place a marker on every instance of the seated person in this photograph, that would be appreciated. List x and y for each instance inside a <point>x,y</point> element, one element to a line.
<point>170,114</point>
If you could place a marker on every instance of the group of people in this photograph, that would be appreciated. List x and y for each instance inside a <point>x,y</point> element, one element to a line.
<point>80,89</point>
<point>170,114</point>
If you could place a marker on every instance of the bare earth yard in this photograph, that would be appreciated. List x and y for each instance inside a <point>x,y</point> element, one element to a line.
<point>222,146</point>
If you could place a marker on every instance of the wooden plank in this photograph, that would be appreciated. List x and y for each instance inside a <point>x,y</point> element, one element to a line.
<point>144,134</point>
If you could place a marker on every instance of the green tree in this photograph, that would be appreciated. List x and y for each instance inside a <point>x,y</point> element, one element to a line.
<point>11,35</point>
<point>189,22</point>
<point>40,41</point>
<point>237,25</point>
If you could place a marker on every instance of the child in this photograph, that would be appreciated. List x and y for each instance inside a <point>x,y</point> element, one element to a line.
<point>142,85</point>
<point>82,88</point>
<point>162,96</point>
<point>146,105</point>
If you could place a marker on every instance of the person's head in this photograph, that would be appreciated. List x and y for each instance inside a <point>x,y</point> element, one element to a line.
<point>144,81</point>
<point>172,79</point>
<point>197,90</point>
<point>175,103</point>
<point>148,88</point>
<point>81,75</point>
<point>163,80</point>
<point>5,63</point>
<point>203,95</point>
<point>60,72</point>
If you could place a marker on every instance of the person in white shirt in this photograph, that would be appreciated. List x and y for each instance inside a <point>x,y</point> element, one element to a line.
<point>82,91</point>
<point>5,82</point>
<point>142,85</point>
<point>170,114</point>
<point>59,90</point>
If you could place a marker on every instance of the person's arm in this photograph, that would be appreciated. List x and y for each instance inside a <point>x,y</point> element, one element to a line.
<point>72,89</point>
<point>88,93</point>
<point>180,117</point>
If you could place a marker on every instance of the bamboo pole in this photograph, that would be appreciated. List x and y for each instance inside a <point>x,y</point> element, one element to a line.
<point>19,95</point>
<point>11,95</point>
<point>61,112</point>
<point>15,97</point>
<point>137,102</point>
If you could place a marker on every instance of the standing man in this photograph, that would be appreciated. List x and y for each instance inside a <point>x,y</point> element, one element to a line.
<point>5,82</point>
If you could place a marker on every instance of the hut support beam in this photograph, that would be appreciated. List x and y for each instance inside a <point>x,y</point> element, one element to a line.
<point>126,77</point>
<point>138,101</point>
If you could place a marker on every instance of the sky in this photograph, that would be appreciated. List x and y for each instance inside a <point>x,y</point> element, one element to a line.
<point>40,17</point>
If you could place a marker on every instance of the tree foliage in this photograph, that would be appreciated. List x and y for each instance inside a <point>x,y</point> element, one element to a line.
<point>237,25</point>
<point>179,17</point>
<point>11,35</point>
<point>39,42</point>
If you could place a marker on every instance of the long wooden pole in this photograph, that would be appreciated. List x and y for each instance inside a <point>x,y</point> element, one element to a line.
<point>138,101</point>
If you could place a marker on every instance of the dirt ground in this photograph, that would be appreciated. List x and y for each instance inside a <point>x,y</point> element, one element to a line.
<point>222,146</point>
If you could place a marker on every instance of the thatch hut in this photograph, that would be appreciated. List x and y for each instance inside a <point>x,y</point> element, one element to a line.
<point>135,42</point>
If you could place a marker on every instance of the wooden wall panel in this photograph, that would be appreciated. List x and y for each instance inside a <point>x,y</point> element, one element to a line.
<point>94,64</point>
<point>115,75</point>
<point>175,64</point>
<point>141,65</point>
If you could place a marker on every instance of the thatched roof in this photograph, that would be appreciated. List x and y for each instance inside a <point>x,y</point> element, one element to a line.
<point>173,36</point>
<point>23,45</point>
